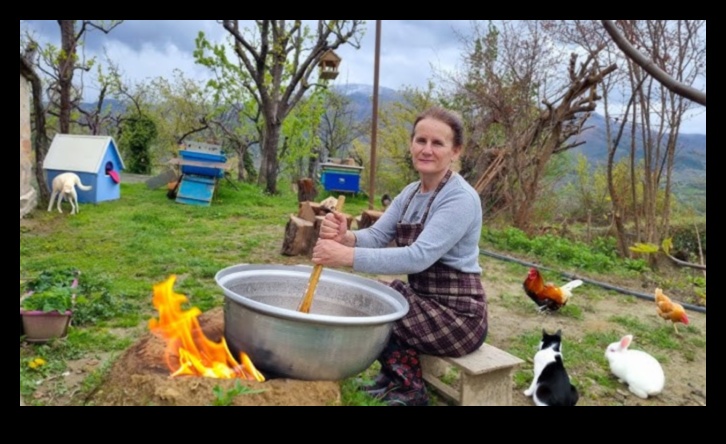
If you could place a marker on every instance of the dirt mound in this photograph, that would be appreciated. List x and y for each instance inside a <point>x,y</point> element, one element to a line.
<point>140,377</point>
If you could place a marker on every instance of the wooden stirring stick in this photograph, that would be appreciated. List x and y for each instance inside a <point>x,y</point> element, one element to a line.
<point>307,301</point>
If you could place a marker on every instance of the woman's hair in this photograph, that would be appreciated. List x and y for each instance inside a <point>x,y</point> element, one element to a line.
<point>451,118</point>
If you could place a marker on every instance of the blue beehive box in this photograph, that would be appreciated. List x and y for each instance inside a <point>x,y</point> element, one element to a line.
<point>343,178</point>
<point>203,157</point>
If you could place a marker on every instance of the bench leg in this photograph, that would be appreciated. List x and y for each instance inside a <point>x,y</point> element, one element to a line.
<point>492,388</point>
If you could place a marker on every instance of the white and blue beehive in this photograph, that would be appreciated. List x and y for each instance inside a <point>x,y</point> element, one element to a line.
<point>95,159</point>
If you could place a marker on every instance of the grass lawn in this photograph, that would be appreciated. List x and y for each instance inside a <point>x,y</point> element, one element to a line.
<point>123,247</point>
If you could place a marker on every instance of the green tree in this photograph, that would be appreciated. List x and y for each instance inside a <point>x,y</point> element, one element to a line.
<point>181,108</point>
<point>300,141</point>
<point>138,133</point>
<point>276,60</point>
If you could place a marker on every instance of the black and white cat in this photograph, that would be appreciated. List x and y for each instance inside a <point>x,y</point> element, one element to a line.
<point>551,385</point>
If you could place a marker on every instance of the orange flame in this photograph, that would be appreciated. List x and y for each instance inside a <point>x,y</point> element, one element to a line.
<point>188,350</point>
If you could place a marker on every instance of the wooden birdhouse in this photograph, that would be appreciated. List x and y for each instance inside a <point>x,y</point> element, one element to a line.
<point>328,65</point>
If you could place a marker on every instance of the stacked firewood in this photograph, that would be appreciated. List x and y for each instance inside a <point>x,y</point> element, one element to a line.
<point>302,229</point>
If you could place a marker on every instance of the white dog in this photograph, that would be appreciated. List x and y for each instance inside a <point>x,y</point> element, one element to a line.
<point>64,186</point>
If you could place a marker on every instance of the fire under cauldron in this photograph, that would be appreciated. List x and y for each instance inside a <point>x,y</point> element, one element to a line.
<point>348,325</point>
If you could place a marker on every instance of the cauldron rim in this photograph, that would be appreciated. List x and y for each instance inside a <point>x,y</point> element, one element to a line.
<point>386,293</point>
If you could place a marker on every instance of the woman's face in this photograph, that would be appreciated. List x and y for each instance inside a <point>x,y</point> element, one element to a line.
<point>432,147</point>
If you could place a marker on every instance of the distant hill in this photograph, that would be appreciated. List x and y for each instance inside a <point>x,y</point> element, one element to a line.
<point>361,97</point>
<point>690,153</point>
<point>689,174</point>
<point>689,170</point>
<point>116,106</point>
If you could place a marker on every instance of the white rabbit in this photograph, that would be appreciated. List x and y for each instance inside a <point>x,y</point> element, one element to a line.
<point>642,372</point>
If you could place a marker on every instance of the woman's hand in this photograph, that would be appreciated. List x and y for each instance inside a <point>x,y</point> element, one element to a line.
<point>331,253</point>
<point>334,227</point>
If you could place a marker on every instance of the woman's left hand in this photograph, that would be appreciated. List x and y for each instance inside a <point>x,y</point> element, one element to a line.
<point>334,226</point>
<point>333,254</point>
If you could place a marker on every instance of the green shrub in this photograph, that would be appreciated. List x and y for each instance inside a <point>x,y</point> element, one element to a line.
<point>685,238</point>
<point>600,257</point>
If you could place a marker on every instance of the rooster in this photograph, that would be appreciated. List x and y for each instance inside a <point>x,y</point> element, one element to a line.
<point>548,297</point>
<point>669,310</point>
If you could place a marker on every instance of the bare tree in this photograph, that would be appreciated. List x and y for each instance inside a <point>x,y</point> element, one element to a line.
<point>61,64</point>
<point>340,126</point>
<point>509,69</point>
<point>101,119</point>
<point>275,66</point>
<point>650,123</point>
<point>240,130</point>
<point>677,87</point>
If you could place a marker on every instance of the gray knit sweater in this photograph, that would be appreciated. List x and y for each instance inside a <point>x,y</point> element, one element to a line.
<point>451,232</point>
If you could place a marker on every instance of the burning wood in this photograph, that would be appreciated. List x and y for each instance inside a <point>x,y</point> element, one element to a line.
<point>188,350</point>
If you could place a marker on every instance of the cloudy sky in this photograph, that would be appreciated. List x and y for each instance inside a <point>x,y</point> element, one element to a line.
<point>412,51</point>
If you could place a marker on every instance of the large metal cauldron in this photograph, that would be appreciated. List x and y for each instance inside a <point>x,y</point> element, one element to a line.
<point>348,325</point>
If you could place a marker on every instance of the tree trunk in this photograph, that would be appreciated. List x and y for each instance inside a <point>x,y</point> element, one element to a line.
<point>65,72</point>
<point>269,150</point>
<point>615,198</point>
<point>241,171</point>
<point>40,141</point>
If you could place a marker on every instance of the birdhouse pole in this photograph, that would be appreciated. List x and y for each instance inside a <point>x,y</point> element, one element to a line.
<point>374,122</point>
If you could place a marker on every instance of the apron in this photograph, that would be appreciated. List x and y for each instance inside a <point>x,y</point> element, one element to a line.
<point>447,317</point>
<point>448,308</point>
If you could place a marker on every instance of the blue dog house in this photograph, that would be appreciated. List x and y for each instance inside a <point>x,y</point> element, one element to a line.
<point>95,159</point>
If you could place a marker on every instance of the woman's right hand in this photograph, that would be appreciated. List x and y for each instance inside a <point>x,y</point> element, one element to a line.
<point>334,227</point>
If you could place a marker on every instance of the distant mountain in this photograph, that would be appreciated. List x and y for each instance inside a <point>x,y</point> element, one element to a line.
<point>689,169</point>
<point>690,152</point>
<point>689,172</point>
<point>116,106</point>
<point>361,97</point>
<point>360,91</point>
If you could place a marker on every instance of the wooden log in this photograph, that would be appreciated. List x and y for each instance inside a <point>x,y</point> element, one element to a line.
<point>315,234</point>
<point>306,190</point>
<point>316,231</point>
<point>368,218</point>
<point>306,211</point>
<point>318,209</point>
<point>298,233</point>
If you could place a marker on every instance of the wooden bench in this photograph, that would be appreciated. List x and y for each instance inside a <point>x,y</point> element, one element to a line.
<point>485,376</point>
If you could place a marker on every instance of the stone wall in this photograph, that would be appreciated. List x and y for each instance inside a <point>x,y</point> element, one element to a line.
<point>28,194</point>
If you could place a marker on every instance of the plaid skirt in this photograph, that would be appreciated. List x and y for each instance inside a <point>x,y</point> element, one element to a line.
<point>447,314</point>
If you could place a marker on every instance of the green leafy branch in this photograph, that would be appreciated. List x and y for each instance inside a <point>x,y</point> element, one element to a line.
<point>648,248</point>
